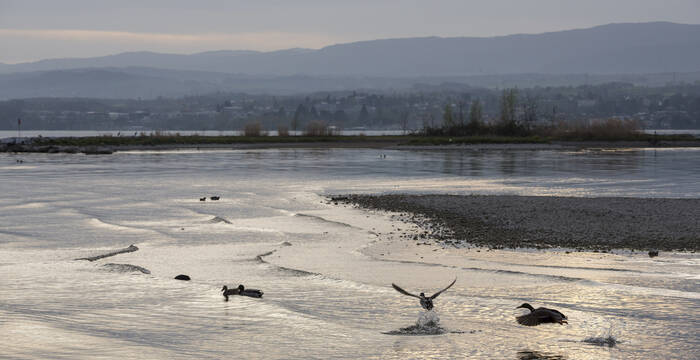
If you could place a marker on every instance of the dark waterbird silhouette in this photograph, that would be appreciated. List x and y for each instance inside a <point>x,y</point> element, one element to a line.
<point>215,198</point>
<point>540,316</point>
<point>182,277</point>
<point>425,302</point>
<point>536,355</point>
<point>203,199</point>
<point>241,290</point>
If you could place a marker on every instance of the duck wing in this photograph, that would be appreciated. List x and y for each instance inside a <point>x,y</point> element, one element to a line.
<point>404,291</point>
<point>556,312</point>
<point>530,319</point>
<point>443,290</point>
<point>252,293</point>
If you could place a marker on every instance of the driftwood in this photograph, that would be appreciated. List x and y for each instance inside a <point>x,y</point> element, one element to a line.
<point>129,249</point>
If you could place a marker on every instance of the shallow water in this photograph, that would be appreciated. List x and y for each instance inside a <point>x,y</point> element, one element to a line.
<point>329,293</point>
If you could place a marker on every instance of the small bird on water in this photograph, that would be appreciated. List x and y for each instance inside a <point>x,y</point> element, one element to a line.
<point>540,316</point>
<point>241,290</point>
<point>425,302</point>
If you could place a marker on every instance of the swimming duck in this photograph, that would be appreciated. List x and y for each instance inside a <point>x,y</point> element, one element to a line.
<point>540,316</point>
<point>215,198</point>
<point>425,302</point>
<point>241,290</point>
<point>203,199</point>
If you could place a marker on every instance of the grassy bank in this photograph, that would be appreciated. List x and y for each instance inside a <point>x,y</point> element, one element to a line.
<point>154,140</point>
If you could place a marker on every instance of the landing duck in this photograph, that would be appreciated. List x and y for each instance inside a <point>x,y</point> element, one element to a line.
<point>425,301</point>
<point>540,316</point>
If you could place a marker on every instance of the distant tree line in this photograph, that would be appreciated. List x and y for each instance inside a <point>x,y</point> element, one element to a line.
<point>433,111</point>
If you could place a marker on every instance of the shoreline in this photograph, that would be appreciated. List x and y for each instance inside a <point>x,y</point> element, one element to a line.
<point>72,146</point>
<point>505,221</point>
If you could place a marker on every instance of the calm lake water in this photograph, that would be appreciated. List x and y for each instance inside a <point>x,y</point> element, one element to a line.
<point>329,294</point>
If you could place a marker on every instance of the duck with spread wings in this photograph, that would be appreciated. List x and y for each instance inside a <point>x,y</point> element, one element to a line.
<point>425,301</point>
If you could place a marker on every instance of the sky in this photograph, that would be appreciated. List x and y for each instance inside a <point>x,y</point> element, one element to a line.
<point>31,30</point>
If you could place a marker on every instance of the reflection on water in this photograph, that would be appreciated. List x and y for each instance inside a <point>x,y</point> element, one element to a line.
<point>325,275</point>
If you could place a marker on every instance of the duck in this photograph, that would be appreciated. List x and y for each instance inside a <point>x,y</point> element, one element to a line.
<point>203,199</point>
<point>215,198</point>
<point>540,316</point>
<point>425,301</point>
<point>241,290</point>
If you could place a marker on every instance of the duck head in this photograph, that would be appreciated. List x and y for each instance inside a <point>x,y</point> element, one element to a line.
<point>422,295</point>
<point>224,288</point>
<point>241,288</point>
<point>526,306</point>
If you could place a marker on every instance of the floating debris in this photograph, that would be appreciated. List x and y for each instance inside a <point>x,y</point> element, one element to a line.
<point>536,355</point>
<point>609,341</point>
<point>129,249</point>
<point>126,268</point>
<point>217,219</point>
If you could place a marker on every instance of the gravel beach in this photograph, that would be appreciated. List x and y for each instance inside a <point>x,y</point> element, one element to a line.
<point>498,221</point>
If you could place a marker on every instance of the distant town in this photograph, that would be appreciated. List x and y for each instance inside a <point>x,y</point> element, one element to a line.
<point>674,106</point>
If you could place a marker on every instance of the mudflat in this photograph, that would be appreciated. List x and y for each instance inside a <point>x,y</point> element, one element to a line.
<point>502,221</point>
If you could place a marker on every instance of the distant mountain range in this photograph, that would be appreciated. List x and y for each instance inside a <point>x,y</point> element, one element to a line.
<point>608,50</point>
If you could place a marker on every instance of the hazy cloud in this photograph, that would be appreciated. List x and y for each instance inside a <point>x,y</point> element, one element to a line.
<point>98,42</point>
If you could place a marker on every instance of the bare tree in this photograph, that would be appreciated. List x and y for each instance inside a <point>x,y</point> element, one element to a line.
<point>475,114</point>
<point>508,119</point>
<point>461,113</point>
<point>403,117</point>
<point>447,117</point>
<point>530,111</point>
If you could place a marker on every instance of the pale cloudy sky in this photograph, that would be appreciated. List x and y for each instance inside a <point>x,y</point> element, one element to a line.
<point>39,29</point>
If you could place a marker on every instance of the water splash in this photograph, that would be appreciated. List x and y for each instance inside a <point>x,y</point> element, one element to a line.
<point>428,319</point>
<point>606,339</point>
<point>428,323</point>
